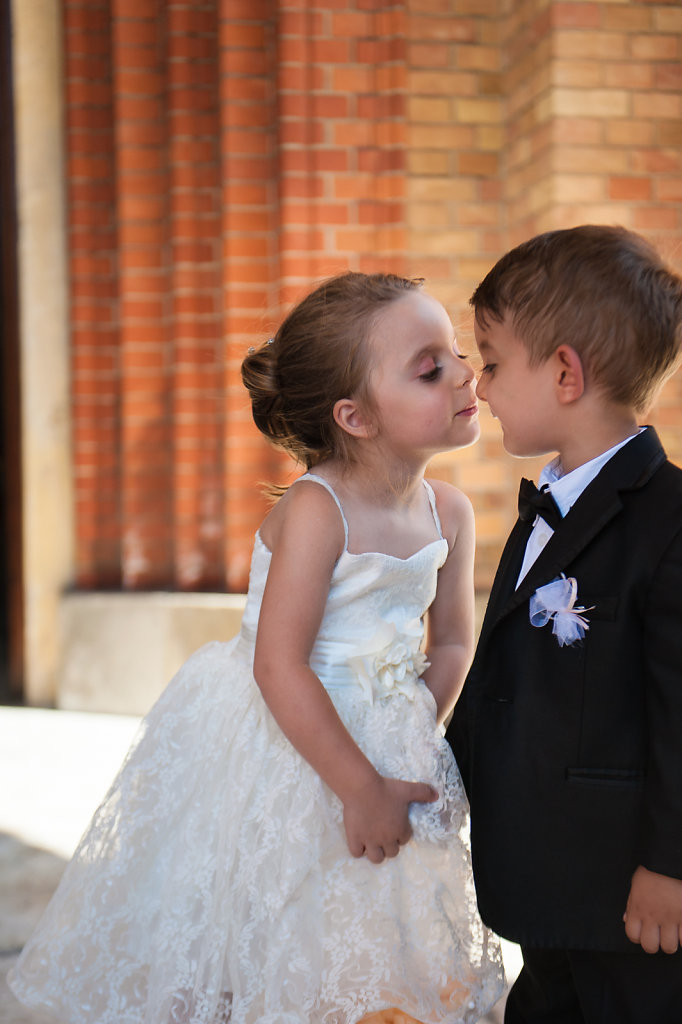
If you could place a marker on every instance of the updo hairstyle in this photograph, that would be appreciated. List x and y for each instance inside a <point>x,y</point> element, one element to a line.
<point>318,356</point>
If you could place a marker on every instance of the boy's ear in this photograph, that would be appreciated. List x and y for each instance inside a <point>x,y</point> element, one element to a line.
<point>350,417</point>
<point>569,380</point>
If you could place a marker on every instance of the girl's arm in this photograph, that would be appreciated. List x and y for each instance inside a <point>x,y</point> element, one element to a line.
<point>305,534</point>
<point>450,632</point>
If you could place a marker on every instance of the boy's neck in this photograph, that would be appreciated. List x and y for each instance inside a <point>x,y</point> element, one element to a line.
<point>594,438</point>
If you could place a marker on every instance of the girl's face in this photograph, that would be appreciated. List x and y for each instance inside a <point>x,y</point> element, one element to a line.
<point>421,385</point>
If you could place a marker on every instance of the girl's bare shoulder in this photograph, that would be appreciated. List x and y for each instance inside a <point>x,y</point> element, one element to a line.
<point>455,510</point>
<point>306,510</point>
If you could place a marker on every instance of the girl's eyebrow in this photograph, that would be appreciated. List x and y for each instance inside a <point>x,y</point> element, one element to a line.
<point>427,350</point>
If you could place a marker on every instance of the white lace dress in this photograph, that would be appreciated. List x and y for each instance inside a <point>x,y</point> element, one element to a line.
<point>214,883</point>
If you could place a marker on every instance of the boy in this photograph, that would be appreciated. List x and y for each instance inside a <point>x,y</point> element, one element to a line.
<point>569,729</point>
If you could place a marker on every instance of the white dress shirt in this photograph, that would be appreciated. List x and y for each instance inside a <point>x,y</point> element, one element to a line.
<point>565,489</point>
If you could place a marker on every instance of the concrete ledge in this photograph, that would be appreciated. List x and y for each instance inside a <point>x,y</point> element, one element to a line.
<point>120,650</point>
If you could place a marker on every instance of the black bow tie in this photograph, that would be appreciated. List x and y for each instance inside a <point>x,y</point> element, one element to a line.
<point>533,502</point>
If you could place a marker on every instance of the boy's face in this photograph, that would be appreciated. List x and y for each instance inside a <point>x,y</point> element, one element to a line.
<point>520,396</point>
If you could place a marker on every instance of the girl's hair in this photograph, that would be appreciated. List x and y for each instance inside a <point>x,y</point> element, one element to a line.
<point>318,356</point>
<point>603,290</point>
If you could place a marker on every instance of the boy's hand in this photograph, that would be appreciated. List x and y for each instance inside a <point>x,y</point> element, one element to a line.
<point>653,916</point>
<point>377,822</point>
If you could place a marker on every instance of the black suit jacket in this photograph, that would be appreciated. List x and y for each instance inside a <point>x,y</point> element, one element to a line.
<point>572,756</point>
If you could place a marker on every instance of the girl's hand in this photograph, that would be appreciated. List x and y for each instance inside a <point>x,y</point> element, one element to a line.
<point>653,917</point>
<point>377,822</point>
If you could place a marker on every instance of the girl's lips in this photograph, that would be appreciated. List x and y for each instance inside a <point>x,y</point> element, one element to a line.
<point>470,410</point>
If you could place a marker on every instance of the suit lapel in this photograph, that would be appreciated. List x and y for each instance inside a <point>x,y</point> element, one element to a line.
<point>506,575</point>
<point>630,468</point>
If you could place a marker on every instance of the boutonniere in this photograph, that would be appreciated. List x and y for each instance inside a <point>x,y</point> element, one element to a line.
<point>557,601</point>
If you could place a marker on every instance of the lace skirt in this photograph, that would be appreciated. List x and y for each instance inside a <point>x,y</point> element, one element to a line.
<point>214,884</point>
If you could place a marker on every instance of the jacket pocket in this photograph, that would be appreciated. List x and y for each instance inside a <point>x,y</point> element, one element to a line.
<point>628,778</point>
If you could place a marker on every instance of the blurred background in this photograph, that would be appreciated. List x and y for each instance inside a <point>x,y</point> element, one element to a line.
<point>173,176</point>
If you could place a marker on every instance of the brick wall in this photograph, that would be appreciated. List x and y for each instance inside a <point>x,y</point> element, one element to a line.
<point>525,117</point>
<point>457,210</point>
<point>91,199</point>
<point>223,155</point>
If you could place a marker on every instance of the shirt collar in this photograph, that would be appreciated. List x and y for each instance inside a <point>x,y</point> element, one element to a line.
<point>567,488</point>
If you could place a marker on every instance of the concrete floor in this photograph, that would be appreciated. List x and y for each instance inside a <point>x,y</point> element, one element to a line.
<point>55,768</point>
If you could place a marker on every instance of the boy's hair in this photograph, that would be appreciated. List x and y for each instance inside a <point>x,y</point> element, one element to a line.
<point>604,291</point>
<point>318,356</point>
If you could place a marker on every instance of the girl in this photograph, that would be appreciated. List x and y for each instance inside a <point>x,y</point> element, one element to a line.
<point>285,843</point>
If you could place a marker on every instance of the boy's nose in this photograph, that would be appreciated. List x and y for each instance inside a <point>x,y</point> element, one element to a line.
<point>480,388</point>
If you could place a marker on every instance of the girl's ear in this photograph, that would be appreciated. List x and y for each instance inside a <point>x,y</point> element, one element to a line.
<point>350,417</point>
<point>569,377</point>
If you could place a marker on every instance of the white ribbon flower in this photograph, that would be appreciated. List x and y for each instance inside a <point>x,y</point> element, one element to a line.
<point>556,601</point>
<point>390,661</point>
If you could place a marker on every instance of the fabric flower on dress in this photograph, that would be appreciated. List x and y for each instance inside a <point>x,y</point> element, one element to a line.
<point>390,661</point>
<point>556,601</point>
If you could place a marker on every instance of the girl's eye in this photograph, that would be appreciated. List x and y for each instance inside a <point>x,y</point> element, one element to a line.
<point>432,374</point>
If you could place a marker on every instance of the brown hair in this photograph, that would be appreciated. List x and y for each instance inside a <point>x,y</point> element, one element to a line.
<point>603,290</point>
<point>318,356</point>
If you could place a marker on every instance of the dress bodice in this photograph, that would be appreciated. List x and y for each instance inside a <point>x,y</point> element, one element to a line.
<point>375,601</point>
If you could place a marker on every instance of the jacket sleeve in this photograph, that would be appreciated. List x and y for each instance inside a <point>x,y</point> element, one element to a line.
<point>661,827</point>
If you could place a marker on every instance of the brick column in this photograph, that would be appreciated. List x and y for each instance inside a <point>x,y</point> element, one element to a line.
<point>195,217</point>
<point>93,265</point>
<point>314,164</point>
<point>145,330</point>
<point>248,69</point>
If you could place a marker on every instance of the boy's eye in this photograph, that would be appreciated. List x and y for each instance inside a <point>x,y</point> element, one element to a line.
<point>487,368</point>
<point>432,374</point>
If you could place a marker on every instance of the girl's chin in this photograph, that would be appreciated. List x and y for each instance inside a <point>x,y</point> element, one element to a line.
<point>472,434</point>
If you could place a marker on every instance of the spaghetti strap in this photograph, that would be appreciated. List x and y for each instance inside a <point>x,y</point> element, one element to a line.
<point>320,480</point>
<point>432,503</point>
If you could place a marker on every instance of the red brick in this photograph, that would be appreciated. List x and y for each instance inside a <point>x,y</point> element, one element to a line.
<point>377,161</point>
<point>576,15</point>
<point>669,190</point>
<point>668,76</point>
<point>656,218</point>
<point>429,55</point>
<point>629,188</point>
